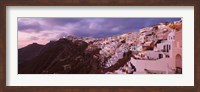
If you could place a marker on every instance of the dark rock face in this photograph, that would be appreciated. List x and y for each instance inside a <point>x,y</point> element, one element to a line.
<point>65,57</point>
<point>28,52</point>
<point>62,56</point>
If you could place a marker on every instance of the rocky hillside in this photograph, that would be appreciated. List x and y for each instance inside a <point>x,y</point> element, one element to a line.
<point>29,52</point>
<point>56,57</point>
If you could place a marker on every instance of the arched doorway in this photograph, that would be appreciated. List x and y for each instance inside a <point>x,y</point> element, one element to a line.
<point>178,61</point>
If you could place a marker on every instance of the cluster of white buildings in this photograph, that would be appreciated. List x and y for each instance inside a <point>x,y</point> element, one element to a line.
<point>166,56</point>
<point>156,49</point>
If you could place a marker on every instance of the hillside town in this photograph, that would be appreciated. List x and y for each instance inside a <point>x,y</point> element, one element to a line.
<point>151,50</point>
<point>156,49</point>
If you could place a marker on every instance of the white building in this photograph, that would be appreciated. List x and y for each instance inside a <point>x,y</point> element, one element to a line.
<point>171,53</point>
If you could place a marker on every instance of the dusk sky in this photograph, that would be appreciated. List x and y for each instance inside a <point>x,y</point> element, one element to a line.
<point>42,30</point>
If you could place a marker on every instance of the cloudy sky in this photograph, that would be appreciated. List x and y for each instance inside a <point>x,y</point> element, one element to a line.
<point>42,30</point>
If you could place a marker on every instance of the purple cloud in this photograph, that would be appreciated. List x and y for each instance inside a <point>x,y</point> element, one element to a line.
<point>33,27</point>
<point>61,21</point>
<point>46,34</point>
<point>61,35</point>
<point>94,27</point>
<point>34,38</point>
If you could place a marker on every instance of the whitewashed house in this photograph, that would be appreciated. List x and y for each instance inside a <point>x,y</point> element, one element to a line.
<point>171,53</point>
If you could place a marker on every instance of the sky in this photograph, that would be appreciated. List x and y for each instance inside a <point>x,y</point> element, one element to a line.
<point>42,30</point>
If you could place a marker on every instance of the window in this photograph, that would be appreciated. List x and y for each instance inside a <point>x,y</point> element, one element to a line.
<point>168,48</point>
<point>164,49</point>
<point>160,56</point>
